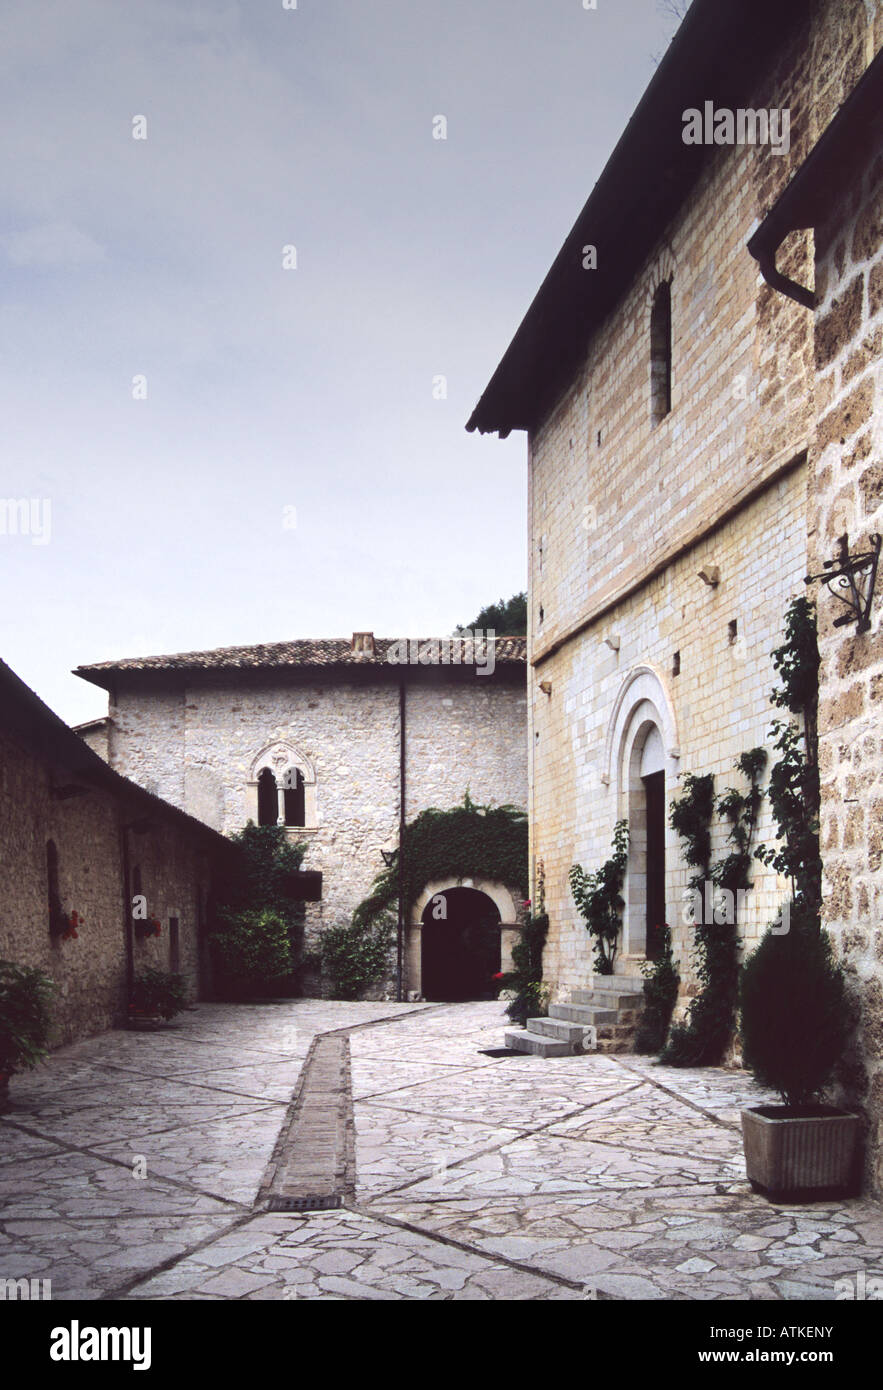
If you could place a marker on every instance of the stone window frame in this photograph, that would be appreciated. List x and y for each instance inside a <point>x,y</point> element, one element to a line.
<point>663,278</point>
<point>280,757</point>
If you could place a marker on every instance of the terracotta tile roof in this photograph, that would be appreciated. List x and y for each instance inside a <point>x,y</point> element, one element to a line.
<point>305,652</point>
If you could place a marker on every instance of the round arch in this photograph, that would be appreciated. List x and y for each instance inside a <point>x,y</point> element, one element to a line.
<point>642,760</point>
<point>502,897</point>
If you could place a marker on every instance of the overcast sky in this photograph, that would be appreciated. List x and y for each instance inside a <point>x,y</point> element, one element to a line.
<point>277,395</point>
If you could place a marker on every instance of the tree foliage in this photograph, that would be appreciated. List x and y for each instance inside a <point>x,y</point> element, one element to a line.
<point>257,922</point>
<point>599,900</point>
<point>507,617</point>
<point>701,1040</point>
<point>26,998</point>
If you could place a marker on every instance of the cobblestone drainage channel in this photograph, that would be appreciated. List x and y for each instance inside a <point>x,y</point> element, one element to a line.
<point>313,1163</point>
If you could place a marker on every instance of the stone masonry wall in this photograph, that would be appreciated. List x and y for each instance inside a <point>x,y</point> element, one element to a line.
<point>197,747</point>
<point>719,702</point>
<point>91,970</point>
<point>624,514</point>
<point>847,496</point>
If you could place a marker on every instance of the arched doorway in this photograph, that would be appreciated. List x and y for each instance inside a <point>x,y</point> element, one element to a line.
<point>642,757</point>
<point>460,947</point>
<point>647,825</point>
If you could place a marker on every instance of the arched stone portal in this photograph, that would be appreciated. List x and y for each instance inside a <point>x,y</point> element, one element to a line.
<point>642,762</point>
<point>454,956</point>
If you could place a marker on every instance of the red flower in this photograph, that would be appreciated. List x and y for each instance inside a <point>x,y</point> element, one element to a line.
<point>499,975</point>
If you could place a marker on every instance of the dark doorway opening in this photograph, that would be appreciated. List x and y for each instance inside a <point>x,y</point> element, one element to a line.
<point>654,788</point>
<point>460,949</point>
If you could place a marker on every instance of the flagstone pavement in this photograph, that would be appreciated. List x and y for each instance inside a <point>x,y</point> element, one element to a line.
<point>134,1166</point>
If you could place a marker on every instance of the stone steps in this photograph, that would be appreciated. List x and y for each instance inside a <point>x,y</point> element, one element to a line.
<point>602,1019</point>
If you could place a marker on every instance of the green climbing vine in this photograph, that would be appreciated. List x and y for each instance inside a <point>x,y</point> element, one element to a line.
<point>794,778</point>
<point>466,841</point>
<point>526,976</point>
<point>599,899</point>
<point>717,891</point>
<point>661,984</point>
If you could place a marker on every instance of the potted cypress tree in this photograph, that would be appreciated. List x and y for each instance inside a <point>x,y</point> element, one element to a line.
<point>795,1025</point>
<point>795,1016</point>
<point>26,996</point>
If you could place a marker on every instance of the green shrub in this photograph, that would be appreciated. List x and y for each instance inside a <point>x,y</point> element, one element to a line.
<point>254,951</point>
<point>158,992</point>
<point>661,982</point>
<point>598,897</point>
<point>796,1018</point>
<point>356,956</point>
<point>531,995</point>
<point>26,999</point>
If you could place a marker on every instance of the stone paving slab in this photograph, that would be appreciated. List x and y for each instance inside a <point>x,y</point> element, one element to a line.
<point>70,1185</point>
<point>478,1178</point>
<point>343,1255</point>
<point>225,1157</point>
<point>84,1257</point>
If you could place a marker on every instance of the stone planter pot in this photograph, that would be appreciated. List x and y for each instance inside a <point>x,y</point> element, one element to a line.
<point>796,1155</point>
<point>145,1023</point>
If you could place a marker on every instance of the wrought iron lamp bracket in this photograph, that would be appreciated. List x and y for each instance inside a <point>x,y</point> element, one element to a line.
<point>851,580</point>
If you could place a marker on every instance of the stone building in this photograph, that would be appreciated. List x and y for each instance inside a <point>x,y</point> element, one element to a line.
<point>692,443</point>
<point>340,740</point>
<point>838,194</point>
<point>79,838</point>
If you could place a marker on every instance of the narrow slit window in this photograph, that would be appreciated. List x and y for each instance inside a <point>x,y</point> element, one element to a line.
<point>660,354</point>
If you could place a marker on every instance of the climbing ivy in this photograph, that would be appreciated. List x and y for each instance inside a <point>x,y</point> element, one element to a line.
<point>702,1039</point>
<point>599,899</point>
<point>661,983</point>
<point>467,841</point>
<point>526,975</point>
<point>794,779</point>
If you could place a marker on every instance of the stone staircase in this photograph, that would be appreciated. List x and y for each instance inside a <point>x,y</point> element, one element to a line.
<point>602,1019</point>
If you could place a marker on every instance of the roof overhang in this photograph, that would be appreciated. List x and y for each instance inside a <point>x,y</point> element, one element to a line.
<point>836,158</point>
<point>645,181</point>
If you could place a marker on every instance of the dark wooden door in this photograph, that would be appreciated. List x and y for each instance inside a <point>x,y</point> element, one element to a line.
<point>654,787</point>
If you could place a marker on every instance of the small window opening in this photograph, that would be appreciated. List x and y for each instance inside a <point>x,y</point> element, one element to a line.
<point>660,354</point>
<point>293,796</point>
<point>174,945</point>
<point>733,631</point>
<point>268,798</point>
<point>676,664</point>
<point>52,883</point>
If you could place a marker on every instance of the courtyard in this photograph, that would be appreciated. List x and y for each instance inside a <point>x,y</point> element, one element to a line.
<point>179,1164</point>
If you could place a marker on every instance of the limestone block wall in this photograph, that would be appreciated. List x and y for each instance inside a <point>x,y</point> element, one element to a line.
<point>847,496</point>
<point>716,708</point>
<point>614,495</point>
<point>623,513</point>
<point>200,743</point>
<point>86,829</point>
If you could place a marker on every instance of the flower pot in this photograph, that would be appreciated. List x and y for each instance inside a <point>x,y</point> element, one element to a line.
<point>814,1150</point>
<point>145,1023</point>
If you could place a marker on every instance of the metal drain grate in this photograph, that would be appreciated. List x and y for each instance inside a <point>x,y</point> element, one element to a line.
<point>499,1052</point>
<point>328,1203</point>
